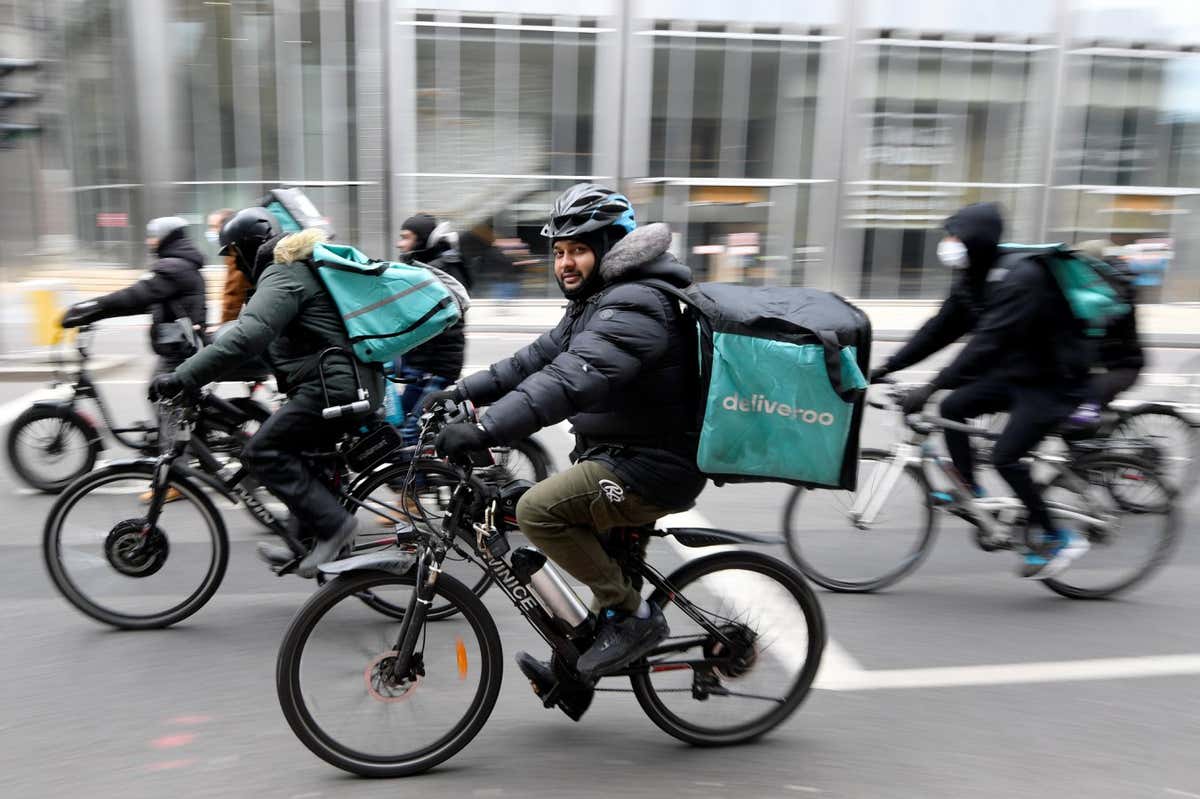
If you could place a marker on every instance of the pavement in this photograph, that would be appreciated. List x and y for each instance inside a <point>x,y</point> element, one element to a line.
<point>960,681</point>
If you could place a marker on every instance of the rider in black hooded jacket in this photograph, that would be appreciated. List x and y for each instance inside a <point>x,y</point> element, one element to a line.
<point>173,289</point>
<point>1024,357</point>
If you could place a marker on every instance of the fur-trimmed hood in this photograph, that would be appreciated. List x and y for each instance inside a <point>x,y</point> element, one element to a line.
<point>298,246</point>
<point>642,254</point>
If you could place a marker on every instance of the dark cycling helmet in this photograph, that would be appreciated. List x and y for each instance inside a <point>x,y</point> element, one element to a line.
<point>247,230</point>
<point>586,207</point>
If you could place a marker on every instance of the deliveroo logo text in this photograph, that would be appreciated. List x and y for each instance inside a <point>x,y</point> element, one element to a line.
<point>757,403</point>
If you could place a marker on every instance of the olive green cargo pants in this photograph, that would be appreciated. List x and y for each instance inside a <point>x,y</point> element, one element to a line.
<point>565,514</point>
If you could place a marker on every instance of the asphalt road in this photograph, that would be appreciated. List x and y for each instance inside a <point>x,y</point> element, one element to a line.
<point>961,681</point>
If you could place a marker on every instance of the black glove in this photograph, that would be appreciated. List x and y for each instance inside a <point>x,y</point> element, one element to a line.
<point>914,401</point>
<point>463,437</point>
<point>878,373</point>
<point>165,386</point>
<point>80,314</point>
<point>453,394</point>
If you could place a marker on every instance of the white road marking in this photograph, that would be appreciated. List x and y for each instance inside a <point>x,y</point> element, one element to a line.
<point>1177,792</point>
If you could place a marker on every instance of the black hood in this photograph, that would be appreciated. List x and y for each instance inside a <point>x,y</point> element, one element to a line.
<point>979,227</point>
<point>264,257</point>
<point>178,245</point>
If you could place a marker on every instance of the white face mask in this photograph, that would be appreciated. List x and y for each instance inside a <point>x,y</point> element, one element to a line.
<point>952,253</point>
<point>213,236</point>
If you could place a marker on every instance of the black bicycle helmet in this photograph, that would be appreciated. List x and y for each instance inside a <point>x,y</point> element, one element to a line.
<point>586,207</point>
<point>247,230</point>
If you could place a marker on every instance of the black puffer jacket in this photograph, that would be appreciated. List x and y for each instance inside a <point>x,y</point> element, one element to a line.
<point>173,288</point>
<point>621,366</point>
<point>292,317</point>
<point>442,355</point>
<point>979,228</point>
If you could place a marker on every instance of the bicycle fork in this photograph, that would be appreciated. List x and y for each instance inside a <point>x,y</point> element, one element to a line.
<point>427,572</point>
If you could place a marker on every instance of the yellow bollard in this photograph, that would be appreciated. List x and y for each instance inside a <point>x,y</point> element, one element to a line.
<point>45,310</point>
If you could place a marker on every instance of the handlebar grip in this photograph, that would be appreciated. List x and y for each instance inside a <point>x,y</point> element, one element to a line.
<point>361,406</point>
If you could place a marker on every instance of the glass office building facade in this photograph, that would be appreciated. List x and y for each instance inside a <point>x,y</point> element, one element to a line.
<point>818,142</point>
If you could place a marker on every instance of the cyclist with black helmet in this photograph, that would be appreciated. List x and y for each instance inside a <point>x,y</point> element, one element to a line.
<point>620,366</point>
<point>172,292</point>
<point>292,318</point>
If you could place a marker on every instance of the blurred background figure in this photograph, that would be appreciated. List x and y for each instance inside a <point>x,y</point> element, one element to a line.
<point>438,362</point>
<point>487,263</point>
<point>237,286</point>
<point>1120,357</point>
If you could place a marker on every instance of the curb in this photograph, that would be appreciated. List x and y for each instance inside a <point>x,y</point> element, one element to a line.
<point>35,370</point>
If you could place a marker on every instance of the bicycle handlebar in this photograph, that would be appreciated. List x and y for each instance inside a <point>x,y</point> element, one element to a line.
<point>928,424</point>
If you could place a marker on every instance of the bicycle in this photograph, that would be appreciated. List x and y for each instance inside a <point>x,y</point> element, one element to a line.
<point>53,442</point>
<point>1106,489</point>
<point>105,569</point>
<point>432,687</point>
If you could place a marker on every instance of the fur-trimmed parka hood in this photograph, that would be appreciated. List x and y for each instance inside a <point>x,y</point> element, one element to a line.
<point>643,254</point>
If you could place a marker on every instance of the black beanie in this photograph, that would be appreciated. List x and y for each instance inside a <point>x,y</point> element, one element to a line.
<point>421,225</point>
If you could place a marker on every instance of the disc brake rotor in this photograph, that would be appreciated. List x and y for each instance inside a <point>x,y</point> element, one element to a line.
<point>134,551</point>
<point>382,685</point>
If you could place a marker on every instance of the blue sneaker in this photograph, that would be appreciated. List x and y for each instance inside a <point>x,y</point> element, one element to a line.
<point>1031,566</point>
<point>1064,548</point>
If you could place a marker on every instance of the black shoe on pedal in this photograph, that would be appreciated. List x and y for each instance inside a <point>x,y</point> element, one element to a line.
<point>274,554</point>
<point>571,697</point>
<point>327,550</point>
<point>621,639</point>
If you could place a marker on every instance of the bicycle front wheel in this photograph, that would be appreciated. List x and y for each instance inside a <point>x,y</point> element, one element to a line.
<point>750,634</point>
<point>113,566</point>
<point>342,700</point>
<point>1135,529</point>
<point>838,552</point>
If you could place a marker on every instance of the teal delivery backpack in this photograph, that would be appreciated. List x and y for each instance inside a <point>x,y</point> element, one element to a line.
<point>387,308</point>
<point>782,385</point>
<point>1095,290</point>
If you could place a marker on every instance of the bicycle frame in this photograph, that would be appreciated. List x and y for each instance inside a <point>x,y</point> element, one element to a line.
<point>981,512</point>
<point>563,642</point>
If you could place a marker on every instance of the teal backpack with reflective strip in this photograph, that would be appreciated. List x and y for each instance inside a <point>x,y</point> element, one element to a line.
<point>387,308</point>
<point>781,382</point>
<point>1092,288</point>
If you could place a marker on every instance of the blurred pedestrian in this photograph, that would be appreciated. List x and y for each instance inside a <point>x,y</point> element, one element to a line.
<point>487,263</point>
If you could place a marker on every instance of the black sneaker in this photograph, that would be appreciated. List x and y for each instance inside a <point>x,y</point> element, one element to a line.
<point>274,554</point>
<point>571,697</point>
<point>328,550</point>
<point>621,639</point>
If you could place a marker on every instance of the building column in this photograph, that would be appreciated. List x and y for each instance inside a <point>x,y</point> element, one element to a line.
<point>152,118</point>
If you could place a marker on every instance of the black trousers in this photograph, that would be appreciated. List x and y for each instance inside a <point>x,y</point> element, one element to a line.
<point>1032,413</point>
<point>273,456</point>
<point>1104,387</point>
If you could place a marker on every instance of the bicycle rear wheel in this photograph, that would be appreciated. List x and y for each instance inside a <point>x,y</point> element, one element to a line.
<point>342,702</point>
<point>1139,539</point>
<point>110,565</point>
<point>833,552</point>
<point>426,504</point>
<point>753,675</point>
<point>1175,439</point>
